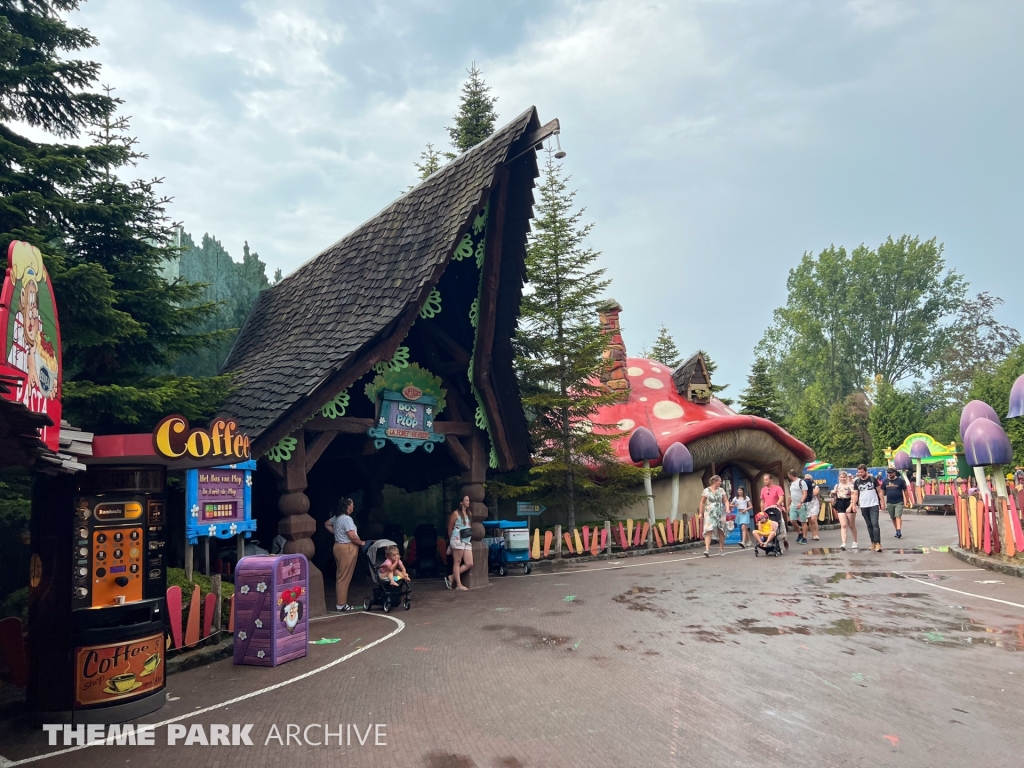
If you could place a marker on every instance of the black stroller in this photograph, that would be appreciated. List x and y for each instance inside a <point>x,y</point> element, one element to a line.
<point>775,547</point>
<point>385,594</point>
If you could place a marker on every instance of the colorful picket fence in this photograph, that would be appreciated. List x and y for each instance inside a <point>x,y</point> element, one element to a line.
<point>625,535</point>
<point>989,524</point>
<point>201,615</point>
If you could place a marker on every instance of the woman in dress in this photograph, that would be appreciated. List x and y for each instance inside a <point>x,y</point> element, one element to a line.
<point>841,497</point>
<point>460,536</point>
<point>714,506</point>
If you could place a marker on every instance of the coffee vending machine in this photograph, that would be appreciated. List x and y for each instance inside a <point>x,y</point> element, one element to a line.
<point>106,632</point>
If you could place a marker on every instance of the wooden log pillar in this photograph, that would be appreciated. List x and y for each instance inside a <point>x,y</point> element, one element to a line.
<point>296,524</point>
<point>473,486</point>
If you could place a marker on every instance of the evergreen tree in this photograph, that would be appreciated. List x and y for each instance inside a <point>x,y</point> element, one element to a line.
<point>475,119</point>
<point>761,397</point>
<point>430,162</point>
<point>664,349</point>
<point>559,361</point>
<point>716,389</point>
<point>809,421</point>
<point>844,442</point>
<point>894,415</point>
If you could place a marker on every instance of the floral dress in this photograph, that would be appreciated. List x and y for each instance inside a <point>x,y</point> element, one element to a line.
<point>714,509</point>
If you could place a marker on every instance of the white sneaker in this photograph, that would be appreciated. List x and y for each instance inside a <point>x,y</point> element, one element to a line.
<point>842,547</point>
<point>854,546</point>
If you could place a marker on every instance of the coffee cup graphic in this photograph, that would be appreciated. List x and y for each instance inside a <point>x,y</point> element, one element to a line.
<point>150,665</point>
<point>122,683</point>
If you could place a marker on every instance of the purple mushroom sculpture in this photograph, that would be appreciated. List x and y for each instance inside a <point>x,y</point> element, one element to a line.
<point>972,412</point>
<point>643,446</point>
<point>902,463</point>
<point>986,445</point>
<point>1016,399</point>
<point>919,450</point>
<point>677,459</point>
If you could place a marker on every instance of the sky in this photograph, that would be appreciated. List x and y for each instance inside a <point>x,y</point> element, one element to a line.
<point>711,143</point>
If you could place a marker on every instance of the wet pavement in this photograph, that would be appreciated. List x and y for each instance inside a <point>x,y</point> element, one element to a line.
<point>817,658</point>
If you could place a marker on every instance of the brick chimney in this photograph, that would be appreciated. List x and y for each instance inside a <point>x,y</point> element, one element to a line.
<point>613,377</point>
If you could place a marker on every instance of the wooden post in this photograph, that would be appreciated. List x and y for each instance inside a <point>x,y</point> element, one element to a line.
<point>608,536</point>
<point>558,541</point>
<point>215,587</point>
<point>189,554</point>
<point>296,525</point>
<point>239,548</point>
<point>206,555</point>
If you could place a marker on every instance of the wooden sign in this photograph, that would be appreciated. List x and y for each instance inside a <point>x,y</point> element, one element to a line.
<point>219,501</point>
<point>173,439</point>
<point>30,333</point>
<point>406,422</point>
<point>118,671</point>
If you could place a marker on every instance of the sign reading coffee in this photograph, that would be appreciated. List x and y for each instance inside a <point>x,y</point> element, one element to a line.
<point>30,334</point>
<point>118,671</point>
<point>173,439</point>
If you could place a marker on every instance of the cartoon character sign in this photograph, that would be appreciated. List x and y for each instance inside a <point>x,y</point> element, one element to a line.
<point>31,335</point>
<point>291,607</point>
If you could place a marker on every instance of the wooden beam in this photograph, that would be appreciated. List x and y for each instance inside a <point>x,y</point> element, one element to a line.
<point>532,140</point>
<point>295,468</point>
<point>458,453</point>
<point>347,425</point>
<point>315,449</point>
<point>450,345</point>
<point>463,428</point>
<point>459,410</point>
<point>273,466</point>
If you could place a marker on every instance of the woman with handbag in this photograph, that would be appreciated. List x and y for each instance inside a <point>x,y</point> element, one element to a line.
<point>460,540</point>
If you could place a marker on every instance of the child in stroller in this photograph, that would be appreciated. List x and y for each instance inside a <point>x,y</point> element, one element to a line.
<point>766,531</point>
<point>388,592</point>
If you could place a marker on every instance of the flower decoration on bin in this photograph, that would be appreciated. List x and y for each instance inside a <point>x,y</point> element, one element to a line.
<point>986,445</point>
<point>1016,399</point>
<point>972,412</point>
<point>902,462</point>
<point>259,624</point>
<point>919,450</point>
<point>261,587</point>
<point>245,589</point>
<point>677,460</point>
<point>643,446</point>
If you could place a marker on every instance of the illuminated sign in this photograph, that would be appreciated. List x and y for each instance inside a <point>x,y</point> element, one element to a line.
<point>174,440</point>
<point>219,501</point>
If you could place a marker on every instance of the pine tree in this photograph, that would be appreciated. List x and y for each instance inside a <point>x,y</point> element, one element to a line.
<point>664,349</point>
<point>475,119</point>
<point>761,397</point>
<point>716,389</point>
<point>559,361</point>
<point>844,438</point>
<point>430,162</point>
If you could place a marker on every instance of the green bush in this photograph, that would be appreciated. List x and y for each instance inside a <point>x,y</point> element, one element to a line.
<point>15,604</point>
<point>176,578</point>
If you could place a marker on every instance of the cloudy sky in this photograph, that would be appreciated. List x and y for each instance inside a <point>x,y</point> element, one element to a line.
<point>712,143</point>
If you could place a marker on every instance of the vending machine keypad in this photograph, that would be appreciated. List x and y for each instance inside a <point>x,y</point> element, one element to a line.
<point>116,569</point>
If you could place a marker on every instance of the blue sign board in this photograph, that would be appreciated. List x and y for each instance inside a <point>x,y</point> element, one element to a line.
<point>219,501</point>
<point>406,418</point>
<point>526,508</point>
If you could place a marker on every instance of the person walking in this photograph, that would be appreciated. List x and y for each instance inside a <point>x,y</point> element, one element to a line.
<point>866,498</point>
<point>798,505</point>
<point>714,506</point>
<point>741,504</point>
<point>346,550</point>
<point>895,488</point>
<point>772,495</point>
<point>842,497</point>
<point>460,540</point>
<point>813,505</point>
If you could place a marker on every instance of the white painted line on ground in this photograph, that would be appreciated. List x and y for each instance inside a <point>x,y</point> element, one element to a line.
<point>229,702</point>
<point>961,592</point>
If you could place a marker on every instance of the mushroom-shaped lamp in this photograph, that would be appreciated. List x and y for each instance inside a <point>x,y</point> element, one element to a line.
<point>919,450</point>
<point>986,445</point>
<point>677,459</point>
<point>1017,399</point>
<point>902,462</point>
<point>643,446</point>
<point>974,410</point>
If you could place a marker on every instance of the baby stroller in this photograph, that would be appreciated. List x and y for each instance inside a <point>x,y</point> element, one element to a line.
<point>775,548</point>
<point>385,594</point>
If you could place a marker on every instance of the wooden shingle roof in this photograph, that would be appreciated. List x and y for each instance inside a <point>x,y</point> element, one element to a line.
<point>326,321</point>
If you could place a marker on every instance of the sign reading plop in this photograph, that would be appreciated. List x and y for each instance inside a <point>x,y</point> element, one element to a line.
<point>173,439</point>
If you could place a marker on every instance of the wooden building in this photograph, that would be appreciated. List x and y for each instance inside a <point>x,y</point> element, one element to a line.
<point>422,299</point>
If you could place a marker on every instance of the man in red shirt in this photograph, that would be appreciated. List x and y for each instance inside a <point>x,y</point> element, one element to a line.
<point>773,496</point>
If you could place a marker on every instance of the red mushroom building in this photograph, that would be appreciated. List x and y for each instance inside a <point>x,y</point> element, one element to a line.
<point>678,406</point>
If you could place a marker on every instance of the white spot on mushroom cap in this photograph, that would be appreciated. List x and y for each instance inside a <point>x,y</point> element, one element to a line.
<point>667,432</point>
<point>667,409</point>
<point>643,399</point>
<point>635,371</point>
<point>626,424</point>
<point>653,383</point>
<point>655,369</point>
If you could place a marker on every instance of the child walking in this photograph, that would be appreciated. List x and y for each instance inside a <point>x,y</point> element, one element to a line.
<point>741,503</point>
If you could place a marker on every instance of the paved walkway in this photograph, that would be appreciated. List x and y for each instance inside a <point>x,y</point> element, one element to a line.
<point>818,658</point>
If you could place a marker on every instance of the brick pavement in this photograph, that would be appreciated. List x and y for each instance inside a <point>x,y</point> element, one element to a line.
<point>810,659</point>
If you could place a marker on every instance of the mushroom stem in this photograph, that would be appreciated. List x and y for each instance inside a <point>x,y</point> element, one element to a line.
<point>920,482</point>
<point>999,480</point>
<point>650,502</point>
<point>675,496</point>
<point>979,476</point>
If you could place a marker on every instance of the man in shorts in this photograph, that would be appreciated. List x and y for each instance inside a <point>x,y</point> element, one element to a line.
<point>894,488</point>
<point>865,497</point>
<point>798,505</point>
<point>773,496</point>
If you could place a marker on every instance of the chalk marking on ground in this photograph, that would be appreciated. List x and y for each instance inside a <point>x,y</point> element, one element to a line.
<point>243,697</point>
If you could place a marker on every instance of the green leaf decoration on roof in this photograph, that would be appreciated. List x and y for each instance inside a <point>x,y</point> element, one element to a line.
<point>464,249</point>
<point>492,461</point>
<point>474,312</point>
<point>336,407</point>
<point>282,449</point>
<point>480,247</point>
<point>411,375</point>
<point>480,417</point>
<point>397,362</point>
<point>432,306</point>
<point>480,222</point>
